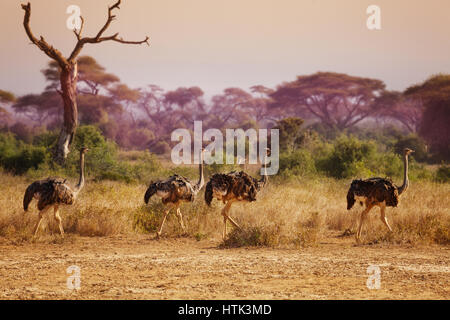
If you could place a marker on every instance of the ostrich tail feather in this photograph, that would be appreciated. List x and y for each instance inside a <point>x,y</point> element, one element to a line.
<point>208,193</point>
<point>150,192</point>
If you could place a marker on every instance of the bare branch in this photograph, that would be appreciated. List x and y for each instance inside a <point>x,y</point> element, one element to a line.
<point>79,32</point>
<point>120,40</point>
<point>109,20</point>
<point>98,38</point>
<point>41,44</point>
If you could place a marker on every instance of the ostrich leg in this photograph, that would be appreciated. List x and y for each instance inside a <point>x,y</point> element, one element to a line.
<point>38,224</point>
<point>227,217</point>
<point>158,234</point>
<point>58,218</point>
<point>361,221</point>
<point>180,219</point>
<point>383,217</point>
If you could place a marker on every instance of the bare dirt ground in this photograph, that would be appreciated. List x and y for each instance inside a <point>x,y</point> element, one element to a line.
<point>139,267</point>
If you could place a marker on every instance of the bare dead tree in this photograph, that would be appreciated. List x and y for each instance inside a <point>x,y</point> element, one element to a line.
<point>69,73</point>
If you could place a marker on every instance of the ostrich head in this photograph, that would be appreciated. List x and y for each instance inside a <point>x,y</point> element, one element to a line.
<point>407,151</point>
<point>83,150</point>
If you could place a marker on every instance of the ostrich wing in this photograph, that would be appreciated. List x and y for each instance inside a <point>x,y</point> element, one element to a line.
<point>43,189</point>
<point>374,189</point>
<point>55,191</point>
<point>219,184</point>
<point>173,189</point>
<point>243,186</point>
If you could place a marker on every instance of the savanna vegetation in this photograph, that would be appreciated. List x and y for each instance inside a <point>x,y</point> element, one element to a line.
<point>333,128</point>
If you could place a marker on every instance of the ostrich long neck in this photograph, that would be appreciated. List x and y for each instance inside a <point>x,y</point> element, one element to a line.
<point>405,184</point>
<point>80,184</point>
<point>201,179</point>
<point>264,178</point>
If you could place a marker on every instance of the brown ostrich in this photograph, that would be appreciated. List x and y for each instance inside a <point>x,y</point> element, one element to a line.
<point>174,191</point>
<point>379,192</point>
<point>231,187</point>
<point>54,192</point>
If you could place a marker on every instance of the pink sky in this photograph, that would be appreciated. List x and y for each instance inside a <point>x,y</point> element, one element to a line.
<point>217,44</point>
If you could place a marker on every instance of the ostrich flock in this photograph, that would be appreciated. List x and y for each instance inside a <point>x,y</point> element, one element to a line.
<point>229,188</point>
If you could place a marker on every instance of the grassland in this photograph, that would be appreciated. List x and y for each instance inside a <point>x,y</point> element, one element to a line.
<point>287,214</point>
<point>297,243</point>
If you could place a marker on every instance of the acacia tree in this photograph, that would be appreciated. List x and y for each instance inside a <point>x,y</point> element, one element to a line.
<point>121,93</point>
<point>39,108</point>
<point>336,99</point>
<point>69,72</point>
<point>434,128</point>
<point>186,104</point>
<point>258,107</point>
<point>403,108</point>
<point>228,107</point>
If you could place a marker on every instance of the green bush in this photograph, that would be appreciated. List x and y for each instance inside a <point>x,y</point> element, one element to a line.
<point>386,164</point>
<point>414,142</point>
<point>297,163</point>
<point>443,173</point>
<point>47,140</point>
<point>102,161</point>
<point>348,158</point>
<point>18,157</point>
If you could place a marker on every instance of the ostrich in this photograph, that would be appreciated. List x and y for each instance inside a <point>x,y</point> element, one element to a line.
<point>53,192</point>
<point>377,192</point>
<point>174,191</point>
<point>231,187</point>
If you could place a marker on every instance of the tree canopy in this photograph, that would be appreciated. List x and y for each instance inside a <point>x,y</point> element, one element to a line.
<point>336,99</point>
<point>435,128</point>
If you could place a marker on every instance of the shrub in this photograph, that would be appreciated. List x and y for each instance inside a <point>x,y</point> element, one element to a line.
<point>248,237</point>
<point>414,142</point>
<point>140,137</point>
<point>348,158</point>
<point>47,139</point>
<point>147,219</point>
<point>17,157</point>
<point>160,147</point>
<point>27,158</point>
<point>290,133</point>
<point>102,161</point>
<point>22,131</point>
<point>387,164</point>
<point>443,173</point>
<point>297,163</point>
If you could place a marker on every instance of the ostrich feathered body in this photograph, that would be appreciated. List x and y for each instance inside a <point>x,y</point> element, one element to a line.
<point>172,190</point>
<point>373,190</point>
<point>234,185</point>
<point>48,192</point>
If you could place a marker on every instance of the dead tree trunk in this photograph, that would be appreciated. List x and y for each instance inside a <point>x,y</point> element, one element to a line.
<point>68,79</point>
<point>69,74</point>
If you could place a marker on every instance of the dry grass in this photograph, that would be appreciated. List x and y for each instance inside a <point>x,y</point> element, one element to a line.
<point>293,214</point>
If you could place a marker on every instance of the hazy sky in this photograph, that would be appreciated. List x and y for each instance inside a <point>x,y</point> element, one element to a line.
<point>217,44</point>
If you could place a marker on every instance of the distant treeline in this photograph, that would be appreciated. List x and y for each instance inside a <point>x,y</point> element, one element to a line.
<point>143,118</point>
